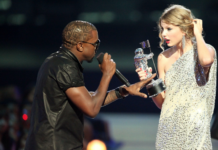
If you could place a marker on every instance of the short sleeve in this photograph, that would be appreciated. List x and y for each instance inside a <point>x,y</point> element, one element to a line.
<point>69,76</point>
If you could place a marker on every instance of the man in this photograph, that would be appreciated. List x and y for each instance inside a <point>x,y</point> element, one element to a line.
<point>61,97</point>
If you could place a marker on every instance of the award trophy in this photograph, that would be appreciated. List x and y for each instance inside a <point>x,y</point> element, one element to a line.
<point>140,59</point>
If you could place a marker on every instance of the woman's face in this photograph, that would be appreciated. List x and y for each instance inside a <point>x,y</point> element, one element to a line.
<point>172,34</point>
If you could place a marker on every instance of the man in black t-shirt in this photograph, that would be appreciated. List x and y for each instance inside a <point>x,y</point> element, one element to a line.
<point>61,98</point>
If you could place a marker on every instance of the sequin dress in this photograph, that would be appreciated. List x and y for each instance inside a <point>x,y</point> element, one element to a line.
<point>188,106</point>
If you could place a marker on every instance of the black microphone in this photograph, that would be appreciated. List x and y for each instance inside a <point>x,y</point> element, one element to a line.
<point>117,73</point>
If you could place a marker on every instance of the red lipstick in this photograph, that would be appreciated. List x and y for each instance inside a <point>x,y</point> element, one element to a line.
<point>167,41</point>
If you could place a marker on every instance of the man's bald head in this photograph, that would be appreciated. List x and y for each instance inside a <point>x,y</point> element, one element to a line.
<point>77,31</point>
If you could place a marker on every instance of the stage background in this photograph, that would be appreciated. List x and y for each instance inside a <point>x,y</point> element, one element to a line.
<point>30,30</point>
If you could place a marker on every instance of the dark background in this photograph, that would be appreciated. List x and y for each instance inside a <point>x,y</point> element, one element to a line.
<point>31,29</point>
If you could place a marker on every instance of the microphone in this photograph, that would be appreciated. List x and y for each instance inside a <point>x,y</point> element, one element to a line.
<point>117,73</point>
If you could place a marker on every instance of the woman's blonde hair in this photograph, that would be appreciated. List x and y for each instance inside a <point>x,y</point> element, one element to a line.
<point>179,16</point>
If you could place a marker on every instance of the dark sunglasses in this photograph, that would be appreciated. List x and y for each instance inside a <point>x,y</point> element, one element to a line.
<point>96,44</point>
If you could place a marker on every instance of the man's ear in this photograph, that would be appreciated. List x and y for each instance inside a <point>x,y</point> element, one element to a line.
<point>79,46</point>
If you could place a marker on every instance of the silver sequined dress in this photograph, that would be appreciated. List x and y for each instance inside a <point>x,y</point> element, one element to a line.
<point>188,106</point>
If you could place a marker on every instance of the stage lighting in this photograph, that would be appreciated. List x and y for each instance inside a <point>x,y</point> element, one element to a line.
<point>96,145</point>
<point>25,117</point>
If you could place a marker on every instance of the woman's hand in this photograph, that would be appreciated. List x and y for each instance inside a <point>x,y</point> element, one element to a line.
<point>143,74</point>
<point>198,26</point>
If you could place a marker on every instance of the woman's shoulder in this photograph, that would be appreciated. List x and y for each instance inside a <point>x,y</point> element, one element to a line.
<point>165,54</point>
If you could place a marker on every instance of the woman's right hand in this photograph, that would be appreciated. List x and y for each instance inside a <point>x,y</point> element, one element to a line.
<point>142,73</point>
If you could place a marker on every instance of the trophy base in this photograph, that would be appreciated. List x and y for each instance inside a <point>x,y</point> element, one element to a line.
<point>155,87</point>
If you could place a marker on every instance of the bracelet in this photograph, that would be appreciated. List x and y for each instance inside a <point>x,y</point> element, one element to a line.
<point>120,88</point>
<point>117,92</point>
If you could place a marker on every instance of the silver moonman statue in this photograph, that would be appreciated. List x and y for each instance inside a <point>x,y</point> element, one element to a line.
<point>140,59</point>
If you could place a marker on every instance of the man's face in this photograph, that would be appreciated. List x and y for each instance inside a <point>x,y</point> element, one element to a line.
<point>89,49</point>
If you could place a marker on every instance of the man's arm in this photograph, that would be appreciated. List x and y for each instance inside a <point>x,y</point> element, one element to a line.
<point>124,91</point>
<point>91,102</point>
<point>110,97</point>
<point>90,105</point>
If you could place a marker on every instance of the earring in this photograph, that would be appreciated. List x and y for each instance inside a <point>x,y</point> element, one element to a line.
<point>183,42</point>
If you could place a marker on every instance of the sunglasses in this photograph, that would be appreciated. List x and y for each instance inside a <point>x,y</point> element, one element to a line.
<point>96,44</point>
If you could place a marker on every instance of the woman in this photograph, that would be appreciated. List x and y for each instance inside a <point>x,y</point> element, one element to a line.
<point>188,69</point>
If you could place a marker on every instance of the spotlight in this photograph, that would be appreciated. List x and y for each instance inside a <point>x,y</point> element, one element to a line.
<point>96,145</point>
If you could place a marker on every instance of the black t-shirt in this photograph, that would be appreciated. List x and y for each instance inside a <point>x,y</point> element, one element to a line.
<point>56,123</point>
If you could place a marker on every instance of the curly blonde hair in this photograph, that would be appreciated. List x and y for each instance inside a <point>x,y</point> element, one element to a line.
<point>179,16</point>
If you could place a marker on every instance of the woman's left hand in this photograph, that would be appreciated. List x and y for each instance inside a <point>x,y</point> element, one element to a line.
<point>198,26</point>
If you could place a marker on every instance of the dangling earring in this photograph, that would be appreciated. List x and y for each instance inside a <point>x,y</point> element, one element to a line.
<point>183,42</point>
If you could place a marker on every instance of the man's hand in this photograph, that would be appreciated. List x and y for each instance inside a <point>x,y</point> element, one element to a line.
<point>108,66</point>
<point>134,89</point>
